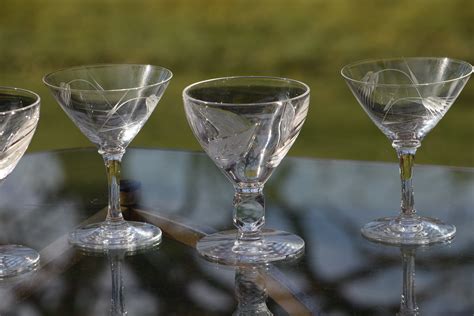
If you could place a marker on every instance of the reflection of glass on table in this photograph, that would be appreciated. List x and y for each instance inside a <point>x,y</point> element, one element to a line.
<point>320,200</point>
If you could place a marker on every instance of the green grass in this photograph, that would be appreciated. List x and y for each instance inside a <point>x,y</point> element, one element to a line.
<point>305,40</point>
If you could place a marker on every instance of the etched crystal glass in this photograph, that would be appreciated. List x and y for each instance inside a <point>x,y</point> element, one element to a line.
<point>19,115</point>
<point>406,98</point>
<point>246,125</point>
<point>110,104</point>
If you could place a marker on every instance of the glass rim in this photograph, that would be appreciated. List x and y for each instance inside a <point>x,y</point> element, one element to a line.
<point>45,77</point>
<point>33,94</point>
<point>281,79</point>
<point>374,60</point>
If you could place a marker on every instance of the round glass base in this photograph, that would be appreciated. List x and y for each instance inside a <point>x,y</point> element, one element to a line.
<point>102,237</point>
<point>415,230</point>
<point>223,247</point>
<point>15,259</point>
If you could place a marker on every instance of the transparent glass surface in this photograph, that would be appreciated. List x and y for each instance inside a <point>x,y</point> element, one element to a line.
<point>406,98</point>
<point>110,104</point>
<point>341,273</point>
<point>19,115</point>
<point>246,125</point>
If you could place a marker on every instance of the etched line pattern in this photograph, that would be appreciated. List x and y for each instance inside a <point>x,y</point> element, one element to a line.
<point>107,118</point>
<point>17,129</point>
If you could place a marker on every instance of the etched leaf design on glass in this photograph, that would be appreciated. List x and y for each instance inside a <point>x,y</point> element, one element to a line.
<point>108,119</point>
<point>292,119</point>
<point>16,133</point>
<point>400,104</point>
<point>370,79</point>
<point>231,137</point>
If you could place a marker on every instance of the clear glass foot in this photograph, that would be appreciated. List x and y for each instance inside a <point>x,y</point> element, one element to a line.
<point>415,230</point>
<point>222,247</point>
<point>104,236</point>
<point>15,259</point>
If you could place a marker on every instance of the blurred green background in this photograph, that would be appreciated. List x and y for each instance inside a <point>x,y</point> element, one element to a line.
<point>304,40</point>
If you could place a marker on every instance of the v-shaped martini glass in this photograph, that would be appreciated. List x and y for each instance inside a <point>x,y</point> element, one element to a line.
<point>110,104</point>
<point>406,98</point>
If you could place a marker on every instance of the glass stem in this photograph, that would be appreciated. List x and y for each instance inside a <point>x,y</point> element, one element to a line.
<point>117,305</point>
<point>251,292</point>
<point>112,164</point>
<point>249,213</point>
<point>408,300</point>
<point>407,158</point>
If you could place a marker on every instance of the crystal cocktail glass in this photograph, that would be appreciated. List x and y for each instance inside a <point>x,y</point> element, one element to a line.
<point>246,125</point>
<point>110,104</point>
<point>19,115</point>
<point>406,98</point>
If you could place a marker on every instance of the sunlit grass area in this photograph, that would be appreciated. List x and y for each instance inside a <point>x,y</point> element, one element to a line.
<point>304,40</point>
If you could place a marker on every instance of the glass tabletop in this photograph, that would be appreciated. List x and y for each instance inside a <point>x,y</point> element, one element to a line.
<point>324,201</point>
